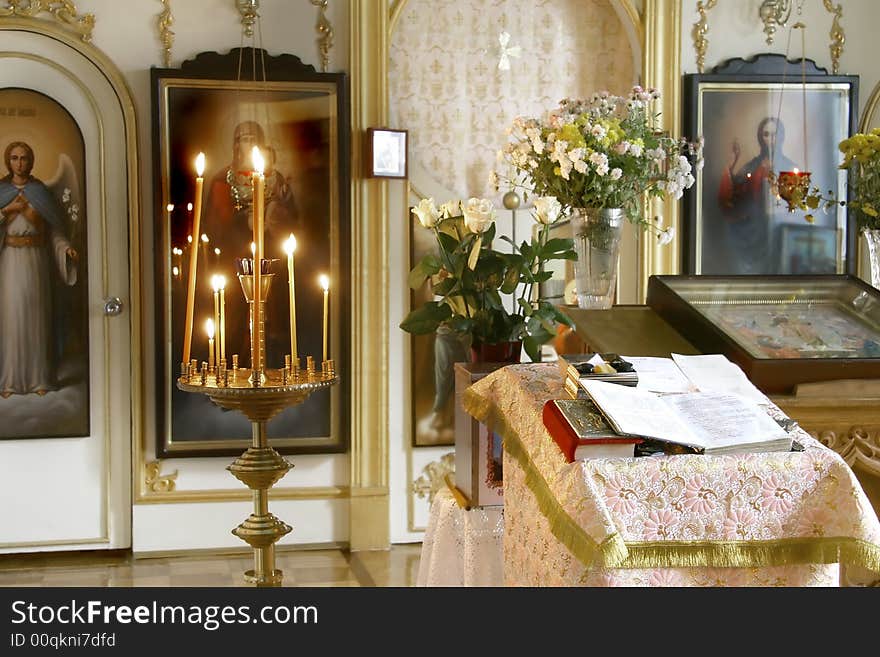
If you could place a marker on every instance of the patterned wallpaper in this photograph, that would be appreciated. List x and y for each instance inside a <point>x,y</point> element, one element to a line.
<point>447,89</point>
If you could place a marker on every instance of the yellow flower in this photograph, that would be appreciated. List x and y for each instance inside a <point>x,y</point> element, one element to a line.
<point>572,135</point>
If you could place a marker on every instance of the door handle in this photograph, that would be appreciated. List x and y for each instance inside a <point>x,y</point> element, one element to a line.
<point>113,306</point>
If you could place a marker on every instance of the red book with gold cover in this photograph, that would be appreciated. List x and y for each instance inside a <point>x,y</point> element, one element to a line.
<point>581,432</point>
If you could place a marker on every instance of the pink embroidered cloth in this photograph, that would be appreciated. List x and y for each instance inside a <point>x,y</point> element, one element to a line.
<point>775,518</point>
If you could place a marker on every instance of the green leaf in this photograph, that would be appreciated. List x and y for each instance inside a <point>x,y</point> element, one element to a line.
<point>533,348</point>
<point>526,306</point>
<point>557,245</point>
<point>475,253</point>
<point>444,287</point>
<point>543,276</point>
<point>448,242</point>
<point>427,267</point>
<point>426,319</point>
<point>511,280</point>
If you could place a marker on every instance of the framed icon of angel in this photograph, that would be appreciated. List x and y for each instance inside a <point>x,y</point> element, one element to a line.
<point>44,341</point>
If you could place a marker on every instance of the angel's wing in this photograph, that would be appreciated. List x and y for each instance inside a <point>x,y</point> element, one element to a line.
<point>65,187</point>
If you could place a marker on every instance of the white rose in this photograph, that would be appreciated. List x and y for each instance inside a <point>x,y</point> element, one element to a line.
<point>547,209</point>
<point>665,236</point>
<point>427,213</point>
<point>479,215</point>
<point>450,209</point>
<point>616,173</point>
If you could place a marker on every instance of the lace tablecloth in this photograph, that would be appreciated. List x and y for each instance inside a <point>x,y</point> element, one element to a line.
<point>776,518</point>
<point>461,547</point>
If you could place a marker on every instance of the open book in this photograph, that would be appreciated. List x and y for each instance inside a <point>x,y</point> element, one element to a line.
<point>704,373</point>
<point>708,422</point>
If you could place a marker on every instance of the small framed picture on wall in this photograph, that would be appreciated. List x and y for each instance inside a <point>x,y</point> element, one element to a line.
<point>386,153</point>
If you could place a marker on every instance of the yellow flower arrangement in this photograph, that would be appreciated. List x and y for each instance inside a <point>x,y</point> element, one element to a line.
<point>861,155</point>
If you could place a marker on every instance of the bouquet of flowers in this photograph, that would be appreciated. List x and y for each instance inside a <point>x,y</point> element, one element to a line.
<point>861,155</point>
<point>602,153</point>
<point>470,277</point>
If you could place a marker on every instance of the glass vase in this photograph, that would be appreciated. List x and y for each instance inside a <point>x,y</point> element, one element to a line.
<point>596,233</point>
<point>872,239</point>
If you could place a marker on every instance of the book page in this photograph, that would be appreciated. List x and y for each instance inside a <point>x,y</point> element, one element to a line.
<point>638,412</point>
<point>715,373</point>
<point>724,421</point>
<point>659,374</point>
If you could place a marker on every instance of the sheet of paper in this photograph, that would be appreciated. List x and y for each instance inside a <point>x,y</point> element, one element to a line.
<point>715,373</point>
<point>638,412</point>
<point>659,374</point>
<point>723,421</point>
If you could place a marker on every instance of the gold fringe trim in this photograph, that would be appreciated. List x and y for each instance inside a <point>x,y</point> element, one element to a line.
<point>610,552</point>
<point>613,552</point>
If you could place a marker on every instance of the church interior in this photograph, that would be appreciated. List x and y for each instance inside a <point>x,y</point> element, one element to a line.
<point>369,406</point>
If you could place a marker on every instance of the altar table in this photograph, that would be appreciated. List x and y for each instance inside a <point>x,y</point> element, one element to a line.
<point>776,518</point>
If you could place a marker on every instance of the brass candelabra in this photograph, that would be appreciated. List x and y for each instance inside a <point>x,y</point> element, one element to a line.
<point>259,395</point>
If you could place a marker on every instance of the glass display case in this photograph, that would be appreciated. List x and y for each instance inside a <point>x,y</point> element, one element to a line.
<point>782,330</point>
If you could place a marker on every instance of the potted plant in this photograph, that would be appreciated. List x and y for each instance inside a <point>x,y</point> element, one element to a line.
<point>470,280</point>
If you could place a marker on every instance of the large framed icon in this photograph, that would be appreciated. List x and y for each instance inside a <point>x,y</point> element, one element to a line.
<point>215,104</point>
<point>760,117</point>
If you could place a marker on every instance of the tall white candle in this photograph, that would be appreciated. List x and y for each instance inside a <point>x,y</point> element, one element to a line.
<point>325,284</point>
<point>258,182</point>
<point>289,248</point>
<point>193,258</point>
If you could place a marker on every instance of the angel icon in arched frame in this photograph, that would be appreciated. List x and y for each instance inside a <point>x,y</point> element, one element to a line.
<point>44,373</point>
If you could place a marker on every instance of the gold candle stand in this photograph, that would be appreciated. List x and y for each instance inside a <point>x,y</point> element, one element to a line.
<point>259,396</point>
<point>260,466</point>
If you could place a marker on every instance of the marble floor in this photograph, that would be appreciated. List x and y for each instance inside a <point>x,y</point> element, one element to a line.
<point>319,567</point>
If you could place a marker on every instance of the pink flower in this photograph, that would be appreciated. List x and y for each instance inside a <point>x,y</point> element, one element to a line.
<point>698,497</point>
<point>621,497</point>
<point>664,577</point>
<point>737,524</point>
<point>775,496</point>
<point>814,522</point>
<point>659,524</point>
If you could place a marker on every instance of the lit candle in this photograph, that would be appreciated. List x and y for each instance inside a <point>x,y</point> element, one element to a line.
<point>215,285</point>
<point>221,280</point>
<point>325,284</point>
<point>193,258</point>
<point>289,248</point>
<point>258,181</point>
<point>209,329</point>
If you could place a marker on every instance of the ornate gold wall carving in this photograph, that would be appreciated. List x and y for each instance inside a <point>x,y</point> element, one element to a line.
<point>325,33</point>
<point>63,11</point>
<point>164,22</point>
<point>155,481</point>
<point>700,30</point>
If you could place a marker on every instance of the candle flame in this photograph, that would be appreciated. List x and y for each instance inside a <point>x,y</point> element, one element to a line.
<point>175,271</point>
<point>170,207</point>
<point>290,245</point>
<point>253,248</point>
<point>200,164</point>
<point>257,157</point>
<point>209,328</point>
<point>215,282</point>
<point>221,282</point>
<point>189,207</point>
<point>205,238</point>
<point>324,280</point>
<point>796,171</point>
<point>189,238</point>
<point>216,250</point>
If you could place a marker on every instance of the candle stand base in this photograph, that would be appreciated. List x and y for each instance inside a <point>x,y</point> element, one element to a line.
<point>260,466</point>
